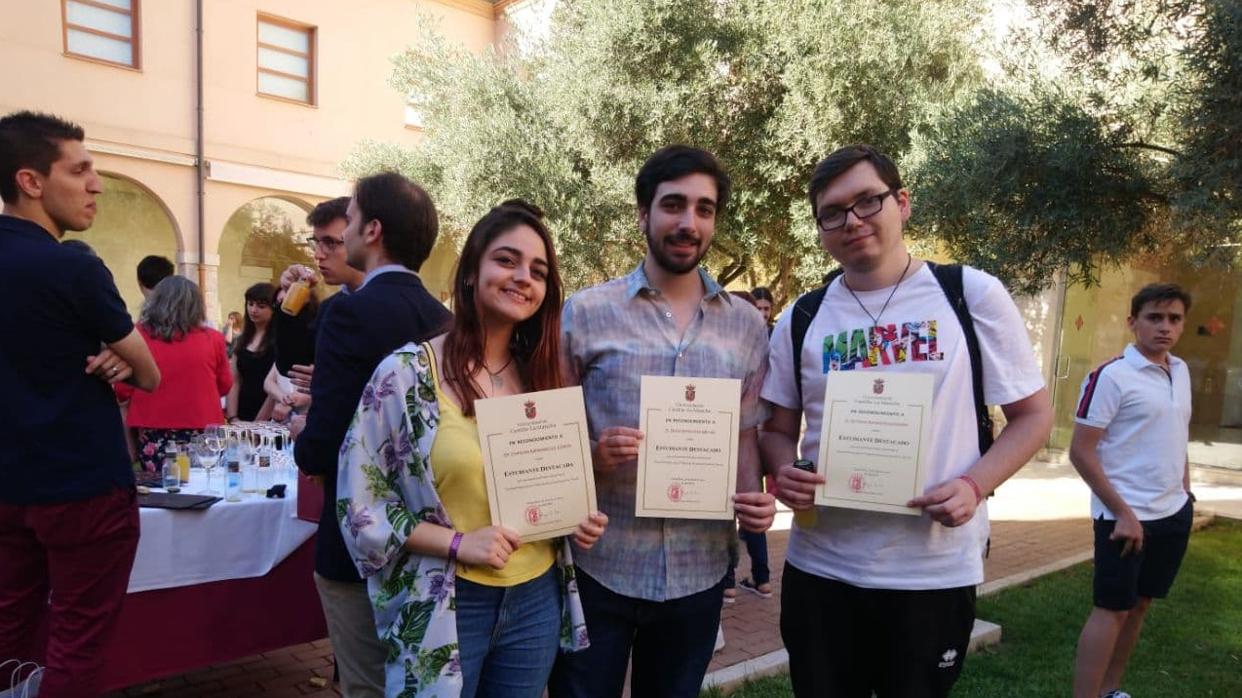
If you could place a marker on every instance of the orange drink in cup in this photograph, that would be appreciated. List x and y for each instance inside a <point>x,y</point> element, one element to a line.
<point>296,297</point>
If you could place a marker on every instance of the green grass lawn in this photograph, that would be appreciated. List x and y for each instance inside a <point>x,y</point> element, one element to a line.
<point>1191,644</point>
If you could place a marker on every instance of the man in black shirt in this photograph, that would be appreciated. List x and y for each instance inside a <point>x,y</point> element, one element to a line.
<point>68,512</point>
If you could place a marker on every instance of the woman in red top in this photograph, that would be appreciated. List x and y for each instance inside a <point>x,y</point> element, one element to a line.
<point>192,359</point>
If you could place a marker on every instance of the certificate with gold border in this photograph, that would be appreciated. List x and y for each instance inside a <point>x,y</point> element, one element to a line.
<point>687,459</point>
<point>874,439</point>
<point>537,461</point>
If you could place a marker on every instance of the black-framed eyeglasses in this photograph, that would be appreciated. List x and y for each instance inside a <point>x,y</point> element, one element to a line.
<point>831,218</point>
<point>328,245</point>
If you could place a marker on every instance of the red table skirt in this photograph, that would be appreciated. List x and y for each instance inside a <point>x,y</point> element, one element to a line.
<point>172,631</point>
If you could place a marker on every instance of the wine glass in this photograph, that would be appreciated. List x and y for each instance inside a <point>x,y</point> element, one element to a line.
<point>214,440</point>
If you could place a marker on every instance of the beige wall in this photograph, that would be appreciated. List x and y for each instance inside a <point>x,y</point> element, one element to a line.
<point>140,123</point>
<point>356,42</point>
<point>153,107</point>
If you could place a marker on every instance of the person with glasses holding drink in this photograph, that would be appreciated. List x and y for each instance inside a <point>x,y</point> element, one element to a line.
<point>288,383</point>
<point>874,601</point>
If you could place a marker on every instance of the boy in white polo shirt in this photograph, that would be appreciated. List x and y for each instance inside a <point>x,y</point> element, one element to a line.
<point>1129,445</point>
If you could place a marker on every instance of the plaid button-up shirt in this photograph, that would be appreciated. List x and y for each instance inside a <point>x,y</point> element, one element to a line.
<point>613,334</point>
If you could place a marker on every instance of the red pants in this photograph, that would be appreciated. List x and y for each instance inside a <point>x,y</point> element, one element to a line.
<point>80,552</point>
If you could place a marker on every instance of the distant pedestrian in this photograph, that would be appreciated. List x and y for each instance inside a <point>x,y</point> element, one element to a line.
<point>756,542</point>
<point>1130,438</point>
<point>253,357</point>
<point>153,269</point>
<point>765,304</point>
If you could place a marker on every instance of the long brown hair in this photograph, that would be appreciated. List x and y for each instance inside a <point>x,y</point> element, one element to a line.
<point>536,341</point>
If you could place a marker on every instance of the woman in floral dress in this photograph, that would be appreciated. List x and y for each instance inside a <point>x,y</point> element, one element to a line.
<point>464,607</point>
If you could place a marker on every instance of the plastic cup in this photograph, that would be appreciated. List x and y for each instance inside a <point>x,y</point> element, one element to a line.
<point>296,297</point>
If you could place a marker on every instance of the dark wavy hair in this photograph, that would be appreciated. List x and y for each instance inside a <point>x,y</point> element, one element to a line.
<point>843,159</point>
<point>536,342</point>
<point>673,162</point>
<point>153,269</point>
<point>327,211</point>
<point>1159,294</point>
<point>264,293</point>
<point>31,140</point>
<point>407,216</point>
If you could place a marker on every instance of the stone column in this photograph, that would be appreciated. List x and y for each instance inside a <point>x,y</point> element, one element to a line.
<point>188,265</point>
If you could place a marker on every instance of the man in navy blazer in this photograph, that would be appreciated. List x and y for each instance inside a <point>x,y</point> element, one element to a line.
<point>391,228</point>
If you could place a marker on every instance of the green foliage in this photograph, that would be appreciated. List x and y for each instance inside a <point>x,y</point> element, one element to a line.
<point>1111,128</point>
<point>1209,173</point>
<point>274,241</point>
<point>769,87</point>
<point>1023,185</point>
<point>1118,130</point>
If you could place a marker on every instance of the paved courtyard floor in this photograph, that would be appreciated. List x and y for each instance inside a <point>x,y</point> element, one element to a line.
<point>1039,519</point>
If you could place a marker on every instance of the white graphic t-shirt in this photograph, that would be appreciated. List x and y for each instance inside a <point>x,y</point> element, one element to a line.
<point>917,333</point>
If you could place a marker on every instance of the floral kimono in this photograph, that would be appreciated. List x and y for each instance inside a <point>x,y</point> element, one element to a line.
<point>385,488</point>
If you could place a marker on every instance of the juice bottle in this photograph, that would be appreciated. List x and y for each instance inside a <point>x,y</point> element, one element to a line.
<point>183,462</point>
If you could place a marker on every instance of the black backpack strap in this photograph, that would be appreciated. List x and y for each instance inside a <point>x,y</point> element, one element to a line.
<point>804,311</point>
<point>949,276</point>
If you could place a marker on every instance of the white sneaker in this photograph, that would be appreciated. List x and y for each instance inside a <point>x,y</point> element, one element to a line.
<point>1116,694</point>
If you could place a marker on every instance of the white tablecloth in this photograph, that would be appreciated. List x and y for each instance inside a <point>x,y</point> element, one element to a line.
<point>230,540</point>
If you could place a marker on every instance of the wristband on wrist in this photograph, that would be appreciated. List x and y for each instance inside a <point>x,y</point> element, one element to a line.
<point>974,486</point>
<point>455,545</point>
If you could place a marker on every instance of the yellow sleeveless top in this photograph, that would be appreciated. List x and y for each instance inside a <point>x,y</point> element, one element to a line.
<point>457,466</point>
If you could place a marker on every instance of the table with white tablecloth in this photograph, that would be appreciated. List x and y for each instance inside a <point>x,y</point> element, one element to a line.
<point>216,585</point>
<point>229,540</point>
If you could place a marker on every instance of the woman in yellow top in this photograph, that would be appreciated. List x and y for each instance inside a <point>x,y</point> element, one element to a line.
<point>463,605</point>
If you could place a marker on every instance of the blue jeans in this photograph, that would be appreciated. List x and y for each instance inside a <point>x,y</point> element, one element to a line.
<point>672,643</point>
<point>757,549</point>
<point>508,636</point>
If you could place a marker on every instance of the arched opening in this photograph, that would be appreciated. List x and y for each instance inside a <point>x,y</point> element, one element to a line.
<point>131,223</point>
<point>259,240</point>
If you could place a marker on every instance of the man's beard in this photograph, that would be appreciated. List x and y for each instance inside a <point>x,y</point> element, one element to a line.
<point>666,262</point>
